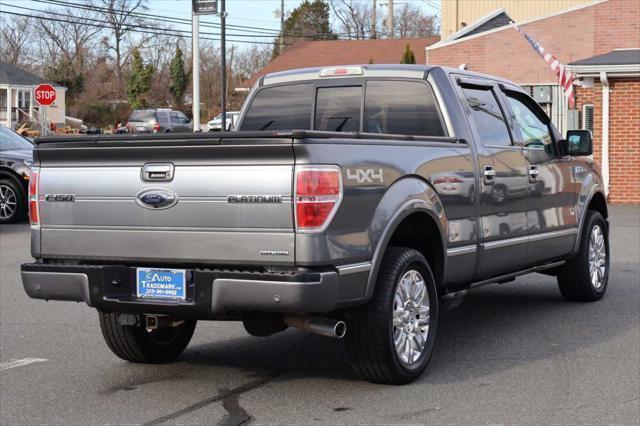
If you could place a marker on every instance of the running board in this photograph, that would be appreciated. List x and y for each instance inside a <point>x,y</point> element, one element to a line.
<point>514,275</point>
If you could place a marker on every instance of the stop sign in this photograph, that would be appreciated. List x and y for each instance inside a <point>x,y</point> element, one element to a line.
<point>45,94</point>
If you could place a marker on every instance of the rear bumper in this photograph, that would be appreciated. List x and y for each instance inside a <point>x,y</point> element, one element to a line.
<point>211,293</point>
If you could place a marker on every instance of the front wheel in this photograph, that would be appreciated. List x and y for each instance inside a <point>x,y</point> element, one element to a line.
<point>137,344</point>
<point>584,278</point>
<point>392,337</point>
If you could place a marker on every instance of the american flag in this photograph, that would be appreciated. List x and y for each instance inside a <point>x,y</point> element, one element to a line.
<point>565,79</point>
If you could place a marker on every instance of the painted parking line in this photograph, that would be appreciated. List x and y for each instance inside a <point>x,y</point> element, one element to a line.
<point>20,363</point>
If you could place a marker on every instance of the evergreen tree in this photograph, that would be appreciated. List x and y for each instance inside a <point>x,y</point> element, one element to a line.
<point>408,57</point>
<point>179,78</point>
<point>65,74</point>
<point>308,21</point>
<point>138,81</point>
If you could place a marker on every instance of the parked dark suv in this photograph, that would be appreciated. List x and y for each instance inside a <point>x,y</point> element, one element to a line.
<point>15,169</point>
<point>158,121</point>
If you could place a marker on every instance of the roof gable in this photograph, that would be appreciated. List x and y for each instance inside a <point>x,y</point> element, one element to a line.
<point>10,74</point>
<point>616,57</point>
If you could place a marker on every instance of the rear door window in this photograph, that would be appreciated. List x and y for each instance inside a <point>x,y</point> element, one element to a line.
<point>280,108</point>
<point>338,109</point>
<point>142,116</point>
<point>163,116</point>
<point>487,116</point>
<point>401,107</point>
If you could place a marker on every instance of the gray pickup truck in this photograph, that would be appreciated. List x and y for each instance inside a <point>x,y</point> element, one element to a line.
<point>354,201</point>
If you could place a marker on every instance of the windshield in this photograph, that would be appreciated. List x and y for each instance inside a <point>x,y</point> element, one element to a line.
<point>11,141</point>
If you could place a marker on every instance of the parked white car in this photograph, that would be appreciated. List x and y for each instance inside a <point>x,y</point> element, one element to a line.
<point>215,125</point>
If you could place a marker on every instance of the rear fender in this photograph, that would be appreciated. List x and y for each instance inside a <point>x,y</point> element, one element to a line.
<point>405,197</point>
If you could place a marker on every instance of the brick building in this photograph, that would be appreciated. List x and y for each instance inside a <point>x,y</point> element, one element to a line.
<point>609,99</point>
<point>596,34</point>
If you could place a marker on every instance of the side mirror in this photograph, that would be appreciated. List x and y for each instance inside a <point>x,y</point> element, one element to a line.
<point>578,143</point>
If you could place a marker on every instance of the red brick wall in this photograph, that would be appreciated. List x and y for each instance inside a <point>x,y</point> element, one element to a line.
<point>624,135</point>
<point>624,141</point>
<point>569,36</point>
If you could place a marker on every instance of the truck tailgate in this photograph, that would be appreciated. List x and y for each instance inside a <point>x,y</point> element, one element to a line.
<point>229,201</point>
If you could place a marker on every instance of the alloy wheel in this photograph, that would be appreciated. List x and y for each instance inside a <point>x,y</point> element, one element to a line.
<point>411,318</point>
<point>597,257</point>
<point>8,202</point>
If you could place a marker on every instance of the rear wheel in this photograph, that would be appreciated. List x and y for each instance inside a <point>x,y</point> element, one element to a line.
<point>392,337</point>
<point>12,202</point>
<point>584,278</point>
<point>137,344</point>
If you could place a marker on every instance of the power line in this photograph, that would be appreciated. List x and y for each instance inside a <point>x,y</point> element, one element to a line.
<point>184,21</point>
<point>128,27</point>
<point>133,29</point>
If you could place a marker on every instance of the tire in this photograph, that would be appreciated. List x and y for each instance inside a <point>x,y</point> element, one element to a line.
<point>134,343</point>
<point>575,278</point>
<point>371,333</point>
<point>13,204</point>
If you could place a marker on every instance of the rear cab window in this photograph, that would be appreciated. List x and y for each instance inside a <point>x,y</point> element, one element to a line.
<point>143,116</point>
<point>280,108</point>
<point>401,107</point>
<point>386,106</point>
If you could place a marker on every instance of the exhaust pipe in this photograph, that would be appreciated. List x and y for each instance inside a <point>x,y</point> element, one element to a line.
<point>318,325</point>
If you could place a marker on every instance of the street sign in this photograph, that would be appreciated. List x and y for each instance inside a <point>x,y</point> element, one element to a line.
<point>205,7</point>
<point>45,94</point>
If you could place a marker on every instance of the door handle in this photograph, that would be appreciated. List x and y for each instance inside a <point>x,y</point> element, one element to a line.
<point>533,174</point>
<point>489,175</point>
<point>157,172</point>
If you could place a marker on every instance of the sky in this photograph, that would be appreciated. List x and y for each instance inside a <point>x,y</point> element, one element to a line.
<point>251,13</point>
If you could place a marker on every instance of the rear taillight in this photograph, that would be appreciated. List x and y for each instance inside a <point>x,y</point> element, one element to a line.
<point>317,195</point>
<point>34,217</point>
<point>156,127</point>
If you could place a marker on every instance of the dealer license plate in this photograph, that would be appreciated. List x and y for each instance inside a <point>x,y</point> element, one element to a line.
<point>161,283</point>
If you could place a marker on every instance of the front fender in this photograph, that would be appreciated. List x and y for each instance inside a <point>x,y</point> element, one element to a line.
<point>406,196</point>
<point>591,185</point>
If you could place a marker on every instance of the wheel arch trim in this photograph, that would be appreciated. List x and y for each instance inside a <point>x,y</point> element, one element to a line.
<point>408,208</point>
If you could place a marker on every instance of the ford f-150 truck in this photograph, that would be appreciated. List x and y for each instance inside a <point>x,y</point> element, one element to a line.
<point>353,201</point>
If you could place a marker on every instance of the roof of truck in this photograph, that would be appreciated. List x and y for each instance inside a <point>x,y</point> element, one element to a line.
<point>370,70</point>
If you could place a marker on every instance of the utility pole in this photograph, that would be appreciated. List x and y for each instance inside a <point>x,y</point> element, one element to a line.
<point>195,24</point>
<point>282,25</point>
<point>223,52</point>
<point>374,20</point>
<point>390,18</point>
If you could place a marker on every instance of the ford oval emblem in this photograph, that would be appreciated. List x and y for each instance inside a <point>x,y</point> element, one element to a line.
<point>156,199</point>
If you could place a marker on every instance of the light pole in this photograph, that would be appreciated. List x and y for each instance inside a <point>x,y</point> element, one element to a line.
<point>195,48</point>
<point>223,49</point>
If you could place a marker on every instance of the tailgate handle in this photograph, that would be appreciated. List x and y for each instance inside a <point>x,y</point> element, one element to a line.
<point>156,172</point>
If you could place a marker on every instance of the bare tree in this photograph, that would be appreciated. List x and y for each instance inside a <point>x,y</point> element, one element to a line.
<point>120,16</point>
<point>355,18</point>
<point>15,36</point>
<point>72,40</point>
<point>251,60</point>
<point>410,21</point>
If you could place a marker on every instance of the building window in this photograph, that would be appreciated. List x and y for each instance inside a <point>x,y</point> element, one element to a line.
<point>587,117</point>
<point>24,99</point>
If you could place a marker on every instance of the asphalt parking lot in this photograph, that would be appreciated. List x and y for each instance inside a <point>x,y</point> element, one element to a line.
<point>515,353</point>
